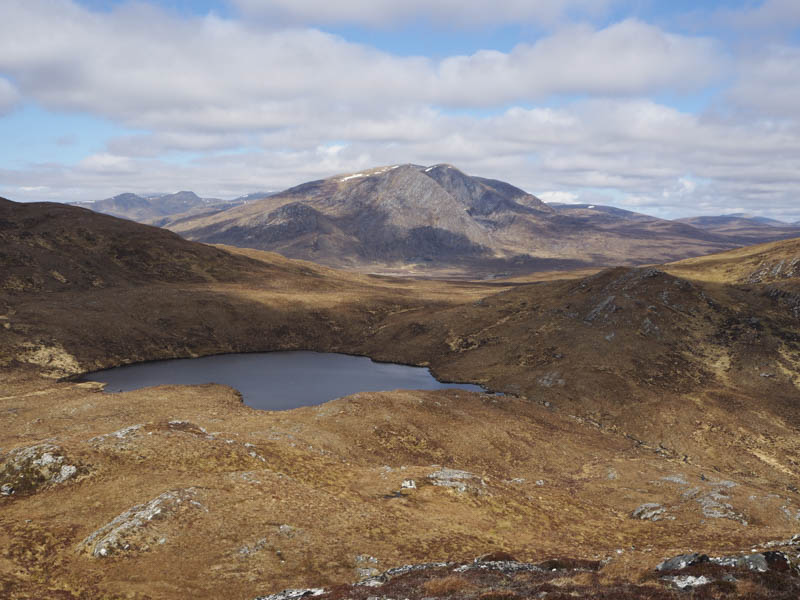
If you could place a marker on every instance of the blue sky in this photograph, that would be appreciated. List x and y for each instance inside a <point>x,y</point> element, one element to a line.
<point>661,107</point>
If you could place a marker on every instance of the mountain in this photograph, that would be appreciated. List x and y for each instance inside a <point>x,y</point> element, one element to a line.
<point>424,219</point>
<point>158,209</point>
<point>746,229</point>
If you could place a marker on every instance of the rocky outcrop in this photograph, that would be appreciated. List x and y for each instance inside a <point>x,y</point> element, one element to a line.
<point>135,530</point>
<point>775,270</point>
<point>688,571</point>
<point>293,594</point>
<point>412,581</point>
<point>27,470</point>
<point>681,561</point>
<point>649,511</point>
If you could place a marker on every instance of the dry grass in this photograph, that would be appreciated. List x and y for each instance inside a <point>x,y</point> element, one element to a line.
<point>643,404</point>
<point>444,587</point>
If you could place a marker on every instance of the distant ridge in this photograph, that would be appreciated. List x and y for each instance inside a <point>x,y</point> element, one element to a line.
<point>747,228</point>
<point>157,209</point>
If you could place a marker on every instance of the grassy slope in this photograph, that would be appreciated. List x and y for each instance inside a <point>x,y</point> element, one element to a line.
<point>599,420</point>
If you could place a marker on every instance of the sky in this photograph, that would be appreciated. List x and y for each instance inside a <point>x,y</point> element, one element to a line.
<point>672,109</point>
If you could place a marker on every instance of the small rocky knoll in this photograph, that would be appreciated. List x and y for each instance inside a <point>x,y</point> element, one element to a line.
<point>26,470</point>
<point>136,529</point>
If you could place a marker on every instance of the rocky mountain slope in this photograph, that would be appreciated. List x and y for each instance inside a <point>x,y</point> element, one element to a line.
<point>427,219</point>
<point>648,413</point>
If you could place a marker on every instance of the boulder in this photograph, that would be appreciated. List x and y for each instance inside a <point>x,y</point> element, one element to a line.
<point>680,562</point>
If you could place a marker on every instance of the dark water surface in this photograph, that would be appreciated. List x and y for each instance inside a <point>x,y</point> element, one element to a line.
<point>277,380</point>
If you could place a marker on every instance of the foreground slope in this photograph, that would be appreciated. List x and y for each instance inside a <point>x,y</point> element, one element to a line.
<point>646,415</point>
<point>427,219</point>
<point>55,247</point>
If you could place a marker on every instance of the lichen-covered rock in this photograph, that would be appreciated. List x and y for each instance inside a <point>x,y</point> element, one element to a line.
<point>680,562</point>
<point>715,505</point>
<point>649,511</point>
<point>134,530</point>
<point>384,577</point>
<point>507,567</point>
<point>293,594</point>
<point>687,581</point>
<point>26,470</point>
<point>119,437</point>
<point>366,566</point>
<point>461,481</point>
<point>760,562</point>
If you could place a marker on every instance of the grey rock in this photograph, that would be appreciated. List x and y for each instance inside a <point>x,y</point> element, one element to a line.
<point>121,435</point>
<point>461,481</point>
<point>366,566</point>
<point>649,511</point>
<point>687,581</point>
<point>379,580</point>
<point>714,505</point>
<point>679,479</point>
<point>27,469</point>
<point>507,567</point>
<point>680,562</point>
<point>130,530</point>
<point>760,562</point>
<point>551,379</point>
<point>293,594</point>
<point>256,547</point>
<point>607,306</point>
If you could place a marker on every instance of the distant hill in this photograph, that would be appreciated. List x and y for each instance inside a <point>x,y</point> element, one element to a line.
<point>772,262</point>
<point>746,228</point>
<point>159,209</point>
<point>424,219</point>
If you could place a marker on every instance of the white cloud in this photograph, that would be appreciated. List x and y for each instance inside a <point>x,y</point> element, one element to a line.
<point>560,197</point>
<point>151,70</point>
<point>627,58</point>
<point>268,108</point>
<point>771,14</point>
<point>769,81</point>
<point>388,13</point>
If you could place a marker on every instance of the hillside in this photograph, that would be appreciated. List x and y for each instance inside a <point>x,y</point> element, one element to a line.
<point>646,414</point>
<point>56,247</point>
<point>747,229</point>
<point>764,263</point>
<point>418,219</point>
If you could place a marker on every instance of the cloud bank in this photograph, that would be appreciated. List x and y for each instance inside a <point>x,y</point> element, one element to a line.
<point>625,112</point>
